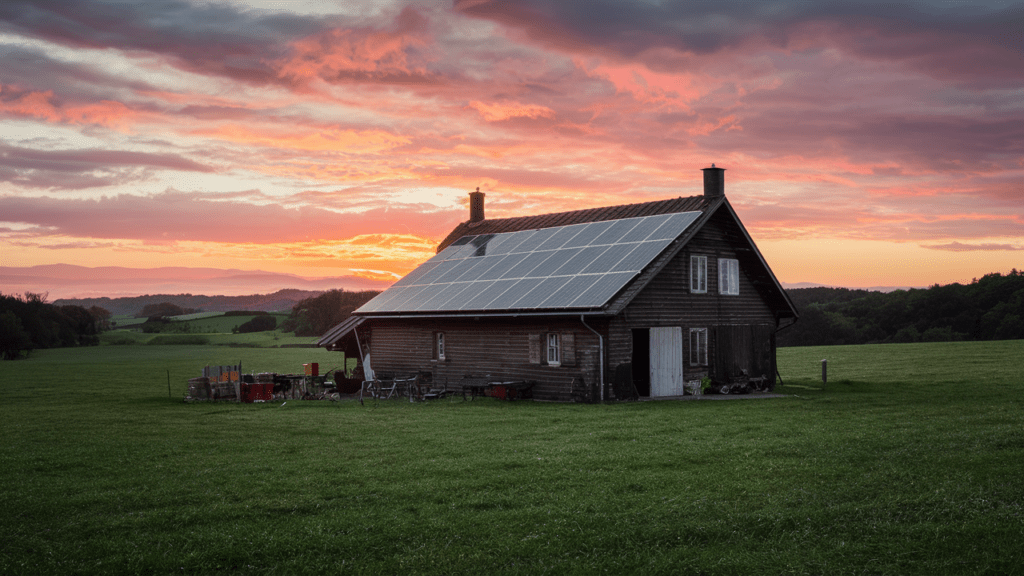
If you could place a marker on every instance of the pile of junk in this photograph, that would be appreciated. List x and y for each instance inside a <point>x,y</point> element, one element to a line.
<point>229,384</point>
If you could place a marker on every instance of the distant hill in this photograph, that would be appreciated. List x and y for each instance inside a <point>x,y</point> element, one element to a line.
<point>282,300</point>
<point>68,281</point>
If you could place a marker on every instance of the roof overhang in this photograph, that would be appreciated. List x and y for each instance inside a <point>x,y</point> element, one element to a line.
<point>340,331</point>
<point>474,315</point>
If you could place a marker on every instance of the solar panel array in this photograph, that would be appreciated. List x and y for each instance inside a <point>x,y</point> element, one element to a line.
<point>580,266</point>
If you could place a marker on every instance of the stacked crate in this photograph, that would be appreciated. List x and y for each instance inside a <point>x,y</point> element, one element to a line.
<point>199,388</point>
<point>266,381</point>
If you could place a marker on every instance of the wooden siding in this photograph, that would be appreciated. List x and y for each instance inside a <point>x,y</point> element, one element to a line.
<point>495,348</point>
<point>667,302</point>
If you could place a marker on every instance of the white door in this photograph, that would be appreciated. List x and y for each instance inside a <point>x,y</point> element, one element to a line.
<point>667,361</point>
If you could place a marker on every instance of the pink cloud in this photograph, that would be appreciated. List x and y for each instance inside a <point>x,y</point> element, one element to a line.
<point>986,247</point>
<point>178,216</point>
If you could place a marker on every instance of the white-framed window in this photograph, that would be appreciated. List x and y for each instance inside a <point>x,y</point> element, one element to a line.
<point>554,350</point>
<point>728,276</point>
<point>439,346</point>
<point>698,346</point>
<point>699,274</point>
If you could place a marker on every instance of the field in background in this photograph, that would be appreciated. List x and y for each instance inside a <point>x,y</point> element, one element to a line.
<point>203,328</point>
<point>909,461</point>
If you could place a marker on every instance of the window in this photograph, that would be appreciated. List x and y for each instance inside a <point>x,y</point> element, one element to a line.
<point>728,276</point>
<point>698,274</point>
<point>439,346</point>
<point>698,346</point>
<point>554,350</point>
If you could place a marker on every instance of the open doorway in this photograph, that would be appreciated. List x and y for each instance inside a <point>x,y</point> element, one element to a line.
<point>642,361</point>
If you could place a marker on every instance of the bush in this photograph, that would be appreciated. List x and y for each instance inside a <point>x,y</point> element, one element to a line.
<point>257,324</point>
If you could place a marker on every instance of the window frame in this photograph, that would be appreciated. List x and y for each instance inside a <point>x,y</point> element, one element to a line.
<point>554,349</point>
<point>698,274</point>
<point>440,353</point>
<point>729,276</point>
<point>699,357</point>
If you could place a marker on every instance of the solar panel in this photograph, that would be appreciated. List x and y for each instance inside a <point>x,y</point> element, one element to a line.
<point>580,266</point>
<point>541,292</point>
<point>521,288</point>
<point>588,234</point>
<point>533,239</point>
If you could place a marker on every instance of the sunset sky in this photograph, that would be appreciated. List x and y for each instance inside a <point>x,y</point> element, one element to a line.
<point>866,143</point>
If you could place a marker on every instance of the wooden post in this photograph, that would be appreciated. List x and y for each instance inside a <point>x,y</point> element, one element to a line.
<point>824,373</point>
<point>168,383</point>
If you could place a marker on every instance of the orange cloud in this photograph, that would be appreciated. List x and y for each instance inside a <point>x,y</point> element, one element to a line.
<point>39,104</point>
<point>506,110</point>
<point>327,139</point>
<point>351,53</point>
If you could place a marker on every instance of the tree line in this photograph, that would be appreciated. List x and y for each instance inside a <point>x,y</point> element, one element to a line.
<point>29,322</point>
<point>989,308</point>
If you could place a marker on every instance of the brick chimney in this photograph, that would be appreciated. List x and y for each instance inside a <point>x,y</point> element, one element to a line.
<point>476,206</point>
<point>714,182</point>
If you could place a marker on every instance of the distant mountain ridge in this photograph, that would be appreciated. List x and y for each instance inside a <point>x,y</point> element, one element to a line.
<point>69,281</point>
<point>282,300</point>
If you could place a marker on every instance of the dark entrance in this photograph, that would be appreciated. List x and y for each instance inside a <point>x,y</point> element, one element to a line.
<point>642,361</point>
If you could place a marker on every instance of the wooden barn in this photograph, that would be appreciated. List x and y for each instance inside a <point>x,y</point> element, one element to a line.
<point>620,301</point>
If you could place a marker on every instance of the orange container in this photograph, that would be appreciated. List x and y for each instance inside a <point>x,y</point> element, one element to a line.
<point>312,369</point>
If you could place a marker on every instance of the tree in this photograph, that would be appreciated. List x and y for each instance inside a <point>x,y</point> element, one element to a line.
<point>163,309</point>
<point>314,316</point>
<point>13,337</point>
<point>260,323</point>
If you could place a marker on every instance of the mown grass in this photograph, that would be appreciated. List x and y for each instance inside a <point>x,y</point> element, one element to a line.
<point>909,461</point>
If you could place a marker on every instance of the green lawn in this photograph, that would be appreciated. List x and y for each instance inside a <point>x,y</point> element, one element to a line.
<point>909,461</point>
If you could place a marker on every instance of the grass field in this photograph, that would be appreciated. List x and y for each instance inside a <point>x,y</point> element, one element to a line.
<point>213,328</point>
<point>909,461</point>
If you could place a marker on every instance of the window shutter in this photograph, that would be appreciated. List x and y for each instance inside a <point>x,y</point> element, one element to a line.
<point>568,349</point>
<point>534,348</point>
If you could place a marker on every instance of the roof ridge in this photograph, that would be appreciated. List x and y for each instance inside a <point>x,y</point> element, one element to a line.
<point>696,203</point>
<point>581,211</point>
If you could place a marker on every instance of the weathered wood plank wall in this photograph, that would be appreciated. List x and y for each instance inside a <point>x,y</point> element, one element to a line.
<point>495,348</point>
<point>667,301</point>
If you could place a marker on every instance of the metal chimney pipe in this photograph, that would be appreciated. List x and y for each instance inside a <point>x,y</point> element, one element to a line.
<point>714,182</point>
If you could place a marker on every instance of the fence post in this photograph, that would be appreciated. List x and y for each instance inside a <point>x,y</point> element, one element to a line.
<point>824,373</point>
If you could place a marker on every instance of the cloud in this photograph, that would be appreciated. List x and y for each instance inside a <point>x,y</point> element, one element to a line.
<point>363,126</point>
<point>506,110</point>
<point>960,247</point>
<point>390,55</point>
<point>82,169</point>
<point>207,38</point>
<point>926,35</point>
<point>189,216</point>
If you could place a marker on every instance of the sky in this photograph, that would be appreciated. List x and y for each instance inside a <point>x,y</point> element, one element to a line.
<point>865,143</point>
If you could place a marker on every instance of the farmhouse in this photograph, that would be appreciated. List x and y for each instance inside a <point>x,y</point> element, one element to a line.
<point>616,302</point>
